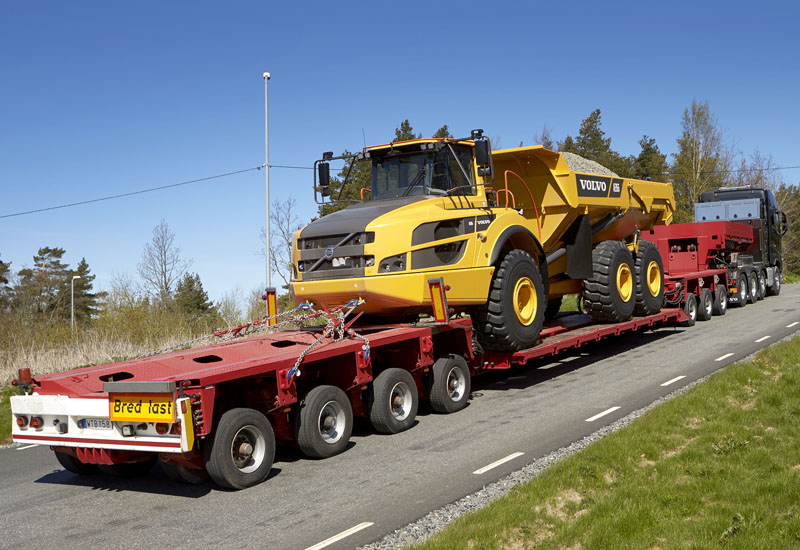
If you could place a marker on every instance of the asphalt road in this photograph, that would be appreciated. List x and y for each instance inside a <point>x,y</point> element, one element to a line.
<point>384,482</point>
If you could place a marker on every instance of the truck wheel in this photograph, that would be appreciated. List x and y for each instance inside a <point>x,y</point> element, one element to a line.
<point>181,473</point>
<point>690,307</point>
<point>72,464</point>
<point>649,271</point>
<point>241,450</point>
<point>706,306</point>
<point>775,289</point>
<point>553,307</point>
<point>609,296</point>
<point>720,306</point>
<point>741,290</point>
<point>324,422</point>
<point>762,285</point>
<point>129,469</point>
<point>752,287</point>
<point>513,315</point>
<point>450,384</point>
<point>393,401</point>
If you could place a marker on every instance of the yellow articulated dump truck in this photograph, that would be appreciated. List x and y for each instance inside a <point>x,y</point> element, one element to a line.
<point>509,232</point>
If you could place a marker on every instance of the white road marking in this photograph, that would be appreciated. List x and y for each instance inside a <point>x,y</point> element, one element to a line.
<point>26,447</point>
<point>550,365</point>
<point>605,412</point>
<point>497,463</point>
<point>761,339</point>
<point>722,358</point>
<point>793,324</point>
<point>568,359</point>
<point>668,382</point>
<point>340,536</point>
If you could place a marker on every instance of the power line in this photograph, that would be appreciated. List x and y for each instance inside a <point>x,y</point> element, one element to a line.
<point>150,190</point>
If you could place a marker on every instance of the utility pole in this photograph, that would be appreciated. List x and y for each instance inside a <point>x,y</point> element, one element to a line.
<point>266,180</point>
<point>72,301</point>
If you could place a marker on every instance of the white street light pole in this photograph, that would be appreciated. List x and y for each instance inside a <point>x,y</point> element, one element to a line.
<point>266,178</point>
<point>72,300</point>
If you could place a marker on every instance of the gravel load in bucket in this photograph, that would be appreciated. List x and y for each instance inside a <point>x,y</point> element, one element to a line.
<point>577,163</point>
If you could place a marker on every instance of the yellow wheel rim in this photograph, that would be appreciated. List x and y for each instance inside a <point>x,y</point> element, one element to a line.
<point>624,282</point>
<point>653,278</point>
<point>525,301</point>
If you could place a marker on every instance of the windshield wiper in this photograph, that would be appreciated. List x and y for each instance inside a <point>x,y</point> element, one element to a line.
<point>415,181</point>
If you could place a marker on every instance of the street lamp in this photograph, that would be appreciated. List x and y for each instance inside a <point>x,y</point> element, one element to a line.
<point>72,300</point>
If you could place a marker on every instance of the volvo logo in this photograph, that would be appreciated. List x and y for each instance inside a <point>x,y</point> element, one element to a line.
<point>329,253</point>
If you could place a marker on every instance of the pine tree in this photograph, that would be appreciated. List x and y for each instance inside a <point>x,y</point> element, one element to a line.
<point>87,303</point>
<point>44,288</point>
<point>5,288</point>
<point>592,144</point>
<point>192,299</point>
<point>360,176</point>
<point>405,132</point>
<point>443,132</point>
<point>651,163</point>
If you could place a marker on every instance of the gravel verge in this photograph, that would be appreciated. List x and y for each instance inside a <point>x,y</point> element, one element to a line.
<point>435,521</point>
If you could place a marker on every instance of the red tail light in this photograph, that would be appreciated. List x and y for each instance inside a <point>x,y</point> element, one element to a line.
<point>37,422</point>
<point>22,422</point>
<point>176,429</point>
<point>162,428</point>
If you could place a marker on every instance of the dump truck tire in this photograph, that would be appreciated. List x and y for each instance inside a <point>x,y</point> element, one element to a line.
<point>72,464</point>
<point>649,271</point>
<point>513,316</point>
<point>720,301</point>
<point>609,296</point>
<point>553,307</point>
<point>393,401</point>
<point>705,307</point>
<point>241,450</point>
<point>324,422</point>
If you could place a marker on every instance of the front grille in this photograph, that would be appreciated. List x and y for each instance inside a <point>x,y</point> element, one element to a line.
<point>313,243</point>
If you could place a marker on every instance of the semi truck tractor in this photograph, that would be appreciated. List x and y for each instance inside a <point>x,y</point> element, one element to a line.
<point>509,232</point>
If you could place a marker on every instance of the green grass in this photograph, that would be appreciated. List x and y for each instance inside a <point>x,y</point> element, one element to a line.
<point>569,303</point>
<point>717,467</point>
<point>5,414</point>
<point>790,278</point>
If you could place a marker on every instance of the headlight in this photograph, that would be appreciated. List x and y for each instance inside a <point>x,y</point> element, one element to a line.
<point>393,263</point>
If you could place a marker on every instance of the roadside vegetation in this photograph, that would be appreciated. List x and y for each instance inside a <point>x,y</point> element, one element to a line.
<point>716,467</point>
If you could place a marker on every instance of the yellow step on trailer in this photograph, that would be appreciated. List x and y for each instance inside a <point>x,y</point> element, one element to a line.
<point>509,232</point>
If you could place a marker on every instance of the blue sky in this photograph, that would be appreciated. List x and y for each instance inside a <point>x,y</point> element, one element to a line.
<point>101,98</point>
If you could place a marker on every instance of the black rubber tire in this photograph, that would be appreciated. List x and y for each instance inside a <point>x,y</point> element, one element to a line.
<point>690,307</point>
<point>553,307</point>
<point>183,474</point>
<point>393,401</point>
<point>129,469</point>
<point>450,384</point>
<point>309,420</point>
<point>250,427</point>
<point>720,306</point>
<point>72,464</point>
<point>497,326</point>
<point>762,284</point>
<point>705,305</point>
<point>602,301</point>
<point>752,287</point>
<point>741,290</point>
<point>646,302</point>
<point>775,289</point>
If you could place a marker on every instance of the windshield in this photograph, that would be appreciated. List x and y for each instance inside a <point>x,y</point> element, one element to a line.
<point>433,172</point>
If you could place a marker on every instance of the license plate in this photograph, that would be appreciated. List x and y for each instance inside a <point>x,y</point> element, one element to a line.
<point>141,407</point>
<point>97,423</point>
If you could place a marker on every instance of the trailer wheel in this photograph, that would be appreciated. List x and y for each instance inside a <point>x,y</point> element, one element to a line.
<point>553,307</point>
<point>762,285</point>
<point>752,287</point>
<point>324,422</point>
<point>649,270</point>
<point>741,290</point>
<point>450,384</point>
<point>609,296</point>
<point>72,464</point>
<point>775,289</point>
<point>183,474</point>
<point>720,306</point>
<point>129,469</point>
<point>690,307</point>
<point>393,401</point>
<point>241,450</point>
<point>513,315</point>
<point>706,306</point>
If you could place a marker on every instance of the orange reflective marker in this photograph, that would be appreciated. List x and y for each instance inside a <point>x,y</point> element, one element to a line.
<point>439,300</point>
<point>272,306</point>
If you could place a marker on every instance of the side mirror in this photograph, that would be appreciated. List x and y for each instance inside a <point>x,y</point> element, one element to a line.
<point>324,174</point>
<point>784,224</point>
<point>483,152</point>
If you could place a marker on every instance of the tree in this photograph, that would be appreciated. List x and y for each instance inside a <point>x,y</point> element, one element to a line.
<point>192,299</point>
<point>651,162</point>
<point>698,165</point>
<point>87,303</point>
<point>544,138</point>
<point>592,144</point>
<point>789,197</point>
<point>283,222</point>
<point>405,132</point>
<point>44,288</point>
<point>443,132</point>
<point>5,288</point>
<point>162,266</point>
<point>360,176</point>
